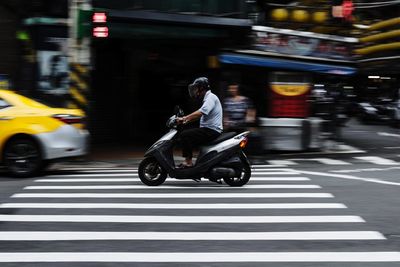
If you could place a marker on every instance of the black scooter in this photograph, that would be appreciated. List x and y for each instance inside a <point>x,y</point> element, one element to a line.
<point>221,159</point>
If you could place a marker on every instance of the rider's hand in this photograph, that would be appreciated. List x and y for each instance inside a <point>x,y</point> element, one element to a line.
<point>181,120</point>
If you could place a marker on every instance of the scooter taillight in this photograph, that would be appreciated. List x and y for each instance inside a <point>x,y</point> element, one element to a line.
<point>243,143</point>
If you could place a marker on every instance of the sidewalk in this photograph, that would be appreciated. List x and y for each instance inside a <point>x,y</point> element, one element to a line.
<point>111,156</point>
<point>107,156</point>
<point>117,157</point>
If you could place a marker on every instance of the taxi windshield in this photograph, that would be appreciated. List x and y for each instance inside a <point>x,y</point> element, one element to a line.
<point>18,100</point>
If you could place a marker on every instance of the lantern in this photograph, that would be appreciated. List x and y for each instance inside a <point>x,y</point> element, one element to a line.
<point>280,14</point>
<point>300,15</point>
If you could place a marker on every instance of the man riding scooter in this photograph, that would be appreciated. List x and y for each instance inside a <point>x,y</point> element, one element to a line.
<point>220,157</point>
<point>210,115</point>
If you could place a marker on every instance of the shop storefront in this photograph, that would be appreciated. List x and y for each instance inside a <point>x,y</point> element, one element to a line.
<point>142,68</point>
<point>286,65</point>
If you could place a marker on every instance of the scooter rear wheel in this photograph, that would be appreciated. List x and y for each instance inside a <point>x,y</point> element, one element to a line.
<point>242,179</point>
<point>151,173</point>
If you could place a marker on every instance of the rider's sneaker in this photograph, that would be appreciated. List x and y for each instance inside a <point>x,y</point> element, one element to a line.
<point>184,166</point>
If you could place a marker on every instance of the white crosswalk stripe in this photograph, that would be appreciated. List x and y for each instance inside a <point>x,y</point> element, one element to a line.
<point>201,257</point>
<point>282,162</point>
<point>275,198</point>
<point>172,195</point>
<point>310,235</point>
<point>329,161</point>
<point>326,161</point>
<point>378,160</point>
<point>136,179</point>
<point>177,187</point>
<point>179,219</point>
<point>190,206</point>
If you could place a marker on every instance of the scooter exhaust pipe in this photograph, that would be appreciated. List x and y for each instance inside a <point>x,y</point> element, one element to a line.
<point>220,172</point>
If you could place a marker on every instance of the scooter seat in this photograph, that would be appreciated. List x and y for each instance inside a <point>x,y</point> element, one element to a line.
<point>222,137</point>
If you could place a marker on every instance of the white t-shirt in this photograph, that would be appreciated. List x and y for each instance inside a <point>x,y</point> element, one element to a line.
<point>212,112</point>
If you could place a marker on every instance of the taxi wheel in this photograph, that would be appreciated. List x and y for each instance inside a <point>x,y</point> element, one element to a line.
<point>22,157</point>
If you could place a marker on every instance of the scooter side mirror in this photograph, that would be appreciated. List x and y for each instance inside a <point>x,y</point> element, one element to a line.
<point>178,111</point>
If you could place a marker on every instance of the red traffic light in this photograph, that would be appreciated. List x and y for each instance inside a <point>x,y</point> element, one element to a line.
<point>99,17</point>
<point>100,32</point>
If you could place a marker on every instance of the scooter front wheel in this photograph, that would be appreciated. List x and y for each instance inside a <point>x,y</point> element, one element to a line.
<point>151,173</point>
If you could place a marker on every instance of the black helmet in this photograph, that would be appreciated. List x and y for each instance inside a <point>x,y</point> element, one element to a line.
<point>200,84</point>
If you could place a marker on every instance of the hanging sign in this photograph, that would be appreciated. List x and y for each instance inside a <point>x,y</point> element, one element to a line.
<point>289,89</point>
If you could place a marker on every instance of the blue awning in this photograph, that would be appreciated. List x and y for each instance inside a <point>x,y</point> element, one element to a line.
<point>241,59</point>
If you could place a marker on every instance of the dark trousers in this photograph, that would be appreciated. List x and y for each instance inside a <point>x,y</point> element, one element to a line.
<point>192,138</point>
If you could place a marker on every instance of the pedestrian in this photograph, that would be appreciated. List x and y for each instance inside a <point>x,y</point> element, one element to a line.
<point>210,115</point>
<point>239,112</point>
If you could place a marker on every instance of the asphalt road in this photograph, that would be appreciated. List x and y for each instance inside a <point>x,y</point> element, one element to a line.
<point>312,209</point>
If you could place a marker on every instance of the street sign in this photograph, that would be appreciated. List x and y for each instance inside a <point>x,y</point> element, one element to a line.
<point>84,23</point>
<point>345,10</point>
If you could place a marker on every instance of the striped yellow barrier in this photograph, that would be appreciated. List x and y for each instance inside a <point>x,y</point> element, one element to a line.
<point>79,87</point>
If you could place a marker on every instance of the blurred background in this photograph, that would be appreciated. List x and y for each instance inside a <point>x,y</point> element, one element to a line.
<point>307,66</point>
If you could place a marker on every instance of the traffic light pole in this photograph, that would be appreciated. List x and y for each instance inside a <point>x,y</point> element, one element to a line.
<point>79,53</point>
<point>79,44</point>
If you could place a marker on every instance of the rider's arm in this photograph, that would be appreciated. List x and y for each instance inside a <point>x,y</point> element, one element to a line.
<point>205,109</point>
<point>192,116</point>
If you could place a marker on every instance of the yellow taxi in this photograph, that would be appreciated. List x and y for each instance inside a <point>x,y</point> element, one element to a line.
<point>33,134</point>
